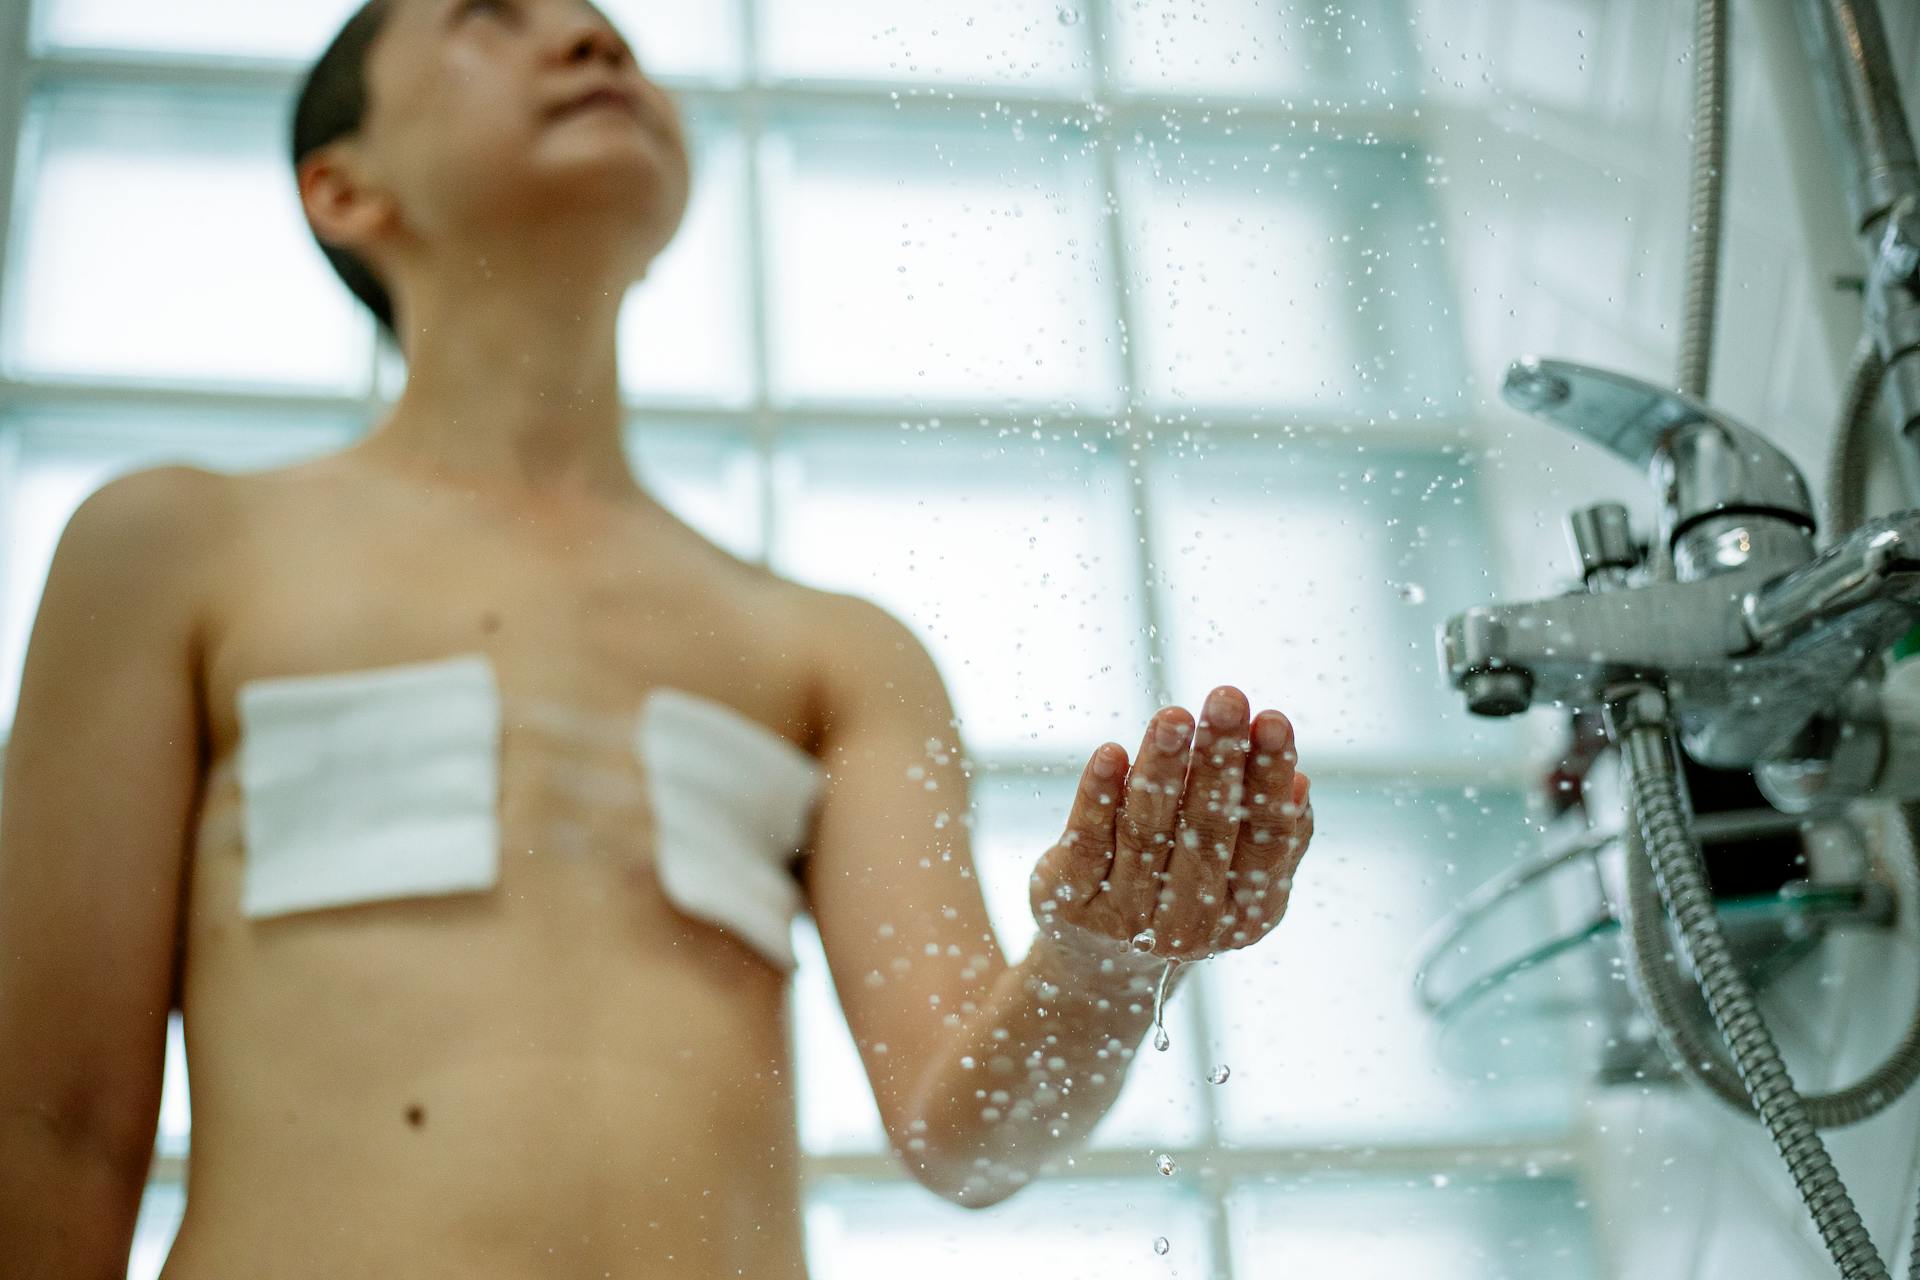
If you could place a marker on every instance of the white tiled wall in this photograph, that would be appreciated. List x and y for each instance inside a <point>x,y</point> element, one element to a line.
<point>1564,142</point>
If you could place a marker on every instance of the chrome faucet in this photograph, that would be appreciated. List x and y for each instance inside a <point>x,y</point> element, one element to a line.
<point>1756,640</point>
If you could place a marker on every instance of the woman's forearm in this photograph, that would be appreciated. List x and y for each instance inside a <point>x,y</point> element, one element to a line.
<point>1028,1075</point>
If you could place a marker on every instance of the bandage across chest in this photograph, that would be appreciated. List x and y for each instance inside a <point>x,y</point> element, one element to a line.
<point>370,785</point>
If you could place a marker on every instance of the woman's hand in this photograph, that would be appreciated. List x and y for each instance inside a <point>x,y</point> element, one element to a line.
<point>1179,863</point>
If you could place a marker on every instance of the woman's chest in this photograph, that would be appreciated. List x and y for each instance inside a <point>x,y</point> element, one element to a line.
<point>402,719</point>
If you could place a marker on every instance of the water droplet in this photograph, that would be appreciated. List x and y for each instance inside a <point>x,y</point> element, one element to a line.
<point>1068,15</point>
<point>1440,1179</point>
<point>1143,940</point>
<point>1165,1164</point>
<point>1160,1244</point>
<point>1412,593</point>
<point>1219,1074</point>
<point>1160,1040</point>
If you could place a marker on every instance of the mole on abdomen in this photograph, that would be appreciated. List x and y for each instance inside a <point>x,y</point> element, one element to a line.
<point>489,622</point>
<point>416,1115</point>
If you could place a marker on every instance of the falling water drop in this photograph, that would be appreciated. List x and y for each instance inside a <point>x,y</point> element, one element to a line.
<point>1160,1244</point>
<point>1143,940</point>
<point>1165,1164</point>
<point>1160,1040</point>
<point>1068,15</point>
<point>1219,1074</point>
<point>1412,593</point>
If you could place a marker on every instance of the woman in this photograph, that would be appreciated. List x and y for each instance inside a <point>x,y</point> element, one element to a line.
<point>474,889</point>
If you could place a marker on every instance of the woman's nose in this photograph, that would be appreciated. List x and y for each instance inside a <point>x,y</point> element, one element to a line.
<point>588,34</point>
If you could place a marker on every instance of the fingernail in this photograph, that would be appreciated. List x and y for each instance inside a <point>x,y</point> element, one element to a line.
<point>1104,765</point>
<point>1171,735</point>
<point>1272,734</point>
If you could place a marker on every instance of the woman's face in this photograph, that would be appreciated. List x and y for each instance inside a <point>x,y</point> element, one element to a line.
<point>461,126</point>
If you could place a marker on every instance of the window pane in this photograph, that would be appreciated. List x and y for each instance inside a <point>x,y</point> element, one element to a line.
<point>231,27</point>
<point>66,454</point>
<point>686,329</point>
<point>162,239</point>
<point>947,265</point>
<point>682,37</point>
<point>837,1110</point>
<point>1318,1020</point>
<point>1443,1228</point>
<point>1035,44</point>
<point>1254,47</point>
<point>161,1208</point>
<point>1314,579</point>
<point>176,1117</point>
<point>1061,1229</point>
<point>709,478</point>
<point>672,37</point>
<point>1017,819</point>
<point>1242,278</point>
<point>1012,560</point>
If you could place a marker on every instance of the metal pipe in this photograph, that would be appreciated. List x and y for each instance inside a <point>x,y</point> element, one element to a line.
<point>1860,110</point>
<point>1860,105</point>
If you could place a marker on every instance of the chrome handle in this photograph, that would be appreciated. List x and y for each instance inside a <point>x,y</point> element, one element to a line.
<point>1700,460</point>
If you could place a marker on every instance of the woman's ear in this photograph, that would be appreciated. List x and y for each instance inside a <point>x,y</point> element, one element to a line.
<point>345,211</point>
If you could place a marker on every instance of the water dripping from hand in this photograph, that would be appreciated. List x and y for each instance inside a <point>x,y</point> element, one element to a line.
<point>1160,1039</point>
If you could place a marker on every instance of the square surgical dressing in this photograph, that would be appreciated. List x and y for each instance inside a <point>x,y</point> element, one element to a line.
<point>366,785</point>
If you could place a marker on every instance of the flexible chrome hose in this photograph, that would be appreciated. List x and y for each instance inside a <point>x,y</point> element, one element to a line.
<point>1846,488</point>
<point>1910,814</point>
<point>1703,216</point>
<point>1672,1001</point>
<point>1655,807</point>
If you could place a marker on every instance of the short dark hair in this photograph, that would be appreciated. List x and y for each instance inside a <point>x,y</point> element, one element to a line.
<point>333,105</point>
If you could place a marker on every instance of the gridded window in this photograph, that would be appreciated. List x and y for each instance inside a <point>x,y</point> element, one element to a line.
<point>1256,48</point>
<point>670,37</point>
<point>1026,44</point>
<point>1066,1228</point>
<point>1013,559</point>
<point>1444,1226</point>
<point>684,330</point>
<point>160,239</point>
<point>1276,273</point>
<point>215,27</point>
<point>960,296</point>
<point>1318,1022</point>
<point>1313,576</point>
<point>939,263</point>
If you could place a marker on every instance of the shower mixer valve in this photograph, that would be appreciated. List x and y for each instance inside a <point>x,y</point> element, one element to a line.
<point>1763,648</point>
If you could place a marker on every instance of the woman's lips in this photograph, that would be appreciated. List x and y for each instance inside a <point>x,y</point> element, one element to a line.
<point>601,98</point>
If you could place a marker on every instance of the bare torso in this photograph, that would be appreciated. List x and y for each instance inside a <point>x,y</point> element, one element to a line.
<point>561,1076</point>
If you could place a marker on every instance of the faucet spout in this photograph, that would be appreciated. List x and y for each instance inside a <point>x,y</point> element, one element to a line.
<point>1874,571</point>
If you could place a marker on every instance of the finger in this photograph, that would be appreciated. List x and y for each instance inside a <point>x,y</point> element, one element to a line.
<point>1271,806</point>
<point>1196,872</point>
<point>1144,827</point>
<point>1303,825</point>
<point>1070,873</point>
<point>1264,887</point>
